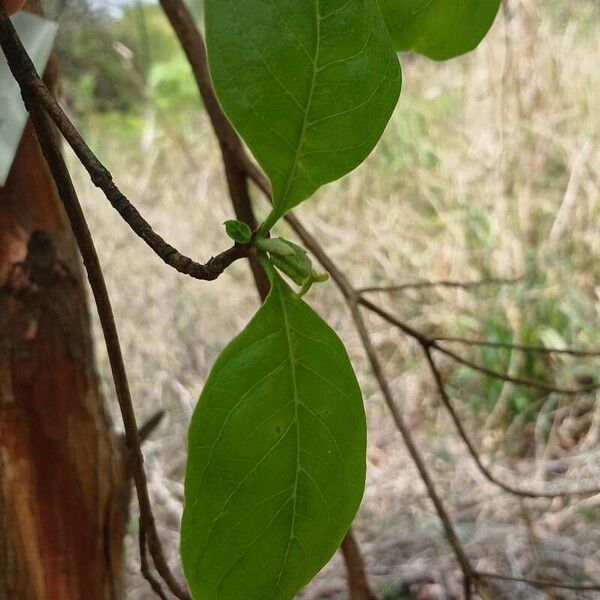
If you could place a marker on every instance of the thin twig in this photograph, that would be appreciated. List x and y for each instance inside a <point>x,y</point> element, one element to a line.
<point>413,450</point>
<point>145,567</point>
<point>516,491</point>
<point>51,150</point>
<point>520,381</point>
<point>148,428</point>
<point>34,90</point>
<point>358,584</point>
<point>427,344</point>
<point>517,347</point>
<point>446,283</point>
<point>541,583</point>
<point>432,343</point>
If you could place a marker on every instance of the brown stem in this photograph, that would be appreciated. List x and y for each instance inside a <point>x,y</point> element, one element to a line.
<point>414,452</point>
<point>358,584</point>
<point>34,91</point>
<point>192,44</point>
<point>51,150</point>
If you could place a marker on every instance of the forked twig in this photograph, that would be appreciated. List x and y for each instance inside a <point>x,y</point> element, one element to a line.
<point>511,489</point>
<point>427,345</point>
<point>433,343</point>
<point>35,92</point>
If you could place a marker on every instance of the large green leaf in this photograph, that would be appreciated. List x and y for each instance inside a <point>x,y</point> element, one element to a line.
<point>309,84</point>
<point>276,457</point>
<point>439,29</point>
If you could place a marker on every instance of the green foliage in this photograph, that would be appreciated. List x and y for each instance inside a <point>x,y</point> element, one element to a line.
<point>277,443</point>
<point>117,63</point>
<point>547,322</point>
<point>95,78</point>
<point>171,86</point>
<point>144,30</point>
<point>439,29</point>
<point>310,86</point>
<point>276,464</point>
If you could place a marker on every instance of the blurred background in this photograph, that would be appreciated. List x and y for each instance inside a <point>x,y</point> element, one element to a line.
<point>489,169</point>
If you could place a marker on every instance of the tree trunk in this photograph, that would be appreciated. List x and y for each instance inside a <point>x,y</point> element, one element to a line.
<point>64,485</point>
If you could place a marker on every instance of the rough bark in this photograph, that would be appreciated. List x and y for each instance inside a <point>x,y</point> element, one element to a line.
<point>64,485</point>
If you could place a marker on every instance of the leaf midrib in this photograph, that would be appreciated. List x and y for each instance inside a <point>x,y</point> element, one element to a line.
<point>305,123</point>
<point>292,359</point>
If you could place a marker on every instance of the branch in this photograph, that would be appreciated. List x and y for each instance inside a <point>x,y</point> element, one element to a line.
<point>192,44</point>
<point>516,491</point>
<point>541,583</point>
<point>148,428</point>
<point>35,93</point>
<point>520,381</point>
<point>419,285</point>
<point>414,452</point>
<point>355,565</point>
<point>433,343</point>
<point>427,344</point>
<point>145,567</point>
<point>68,195</point>
<point>517,347</point>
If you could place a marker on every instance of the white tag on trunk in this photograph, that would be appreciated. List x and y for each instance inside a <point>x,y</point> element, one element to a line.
<point>37,35</point>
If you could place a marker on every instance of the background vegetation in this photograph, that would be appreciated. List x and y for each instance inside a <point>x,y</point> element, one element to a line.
<point>488,169</point>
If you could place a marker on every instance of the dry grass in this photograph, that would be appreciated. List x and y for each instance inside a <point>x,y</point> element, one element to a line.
<point>489,167</point>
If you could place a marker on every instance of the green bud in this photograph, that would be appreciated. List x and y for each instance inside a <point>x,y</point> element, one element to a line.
<point>293,260</point>
<point>239,232</point>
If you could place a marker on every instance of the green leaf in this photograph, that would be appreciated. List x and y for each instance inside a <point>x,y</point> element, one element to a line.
<point>238,231</point>
<point>310,86</point>
<point>276,463</point>
<point>439,29</point>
